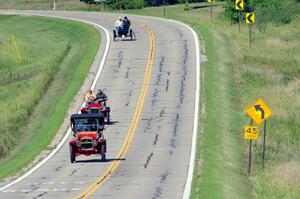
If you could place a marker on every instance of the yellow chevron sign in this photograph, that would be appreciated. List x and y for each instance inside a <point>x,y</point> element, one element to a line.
<point>239,4</point>
<point>250,18</point>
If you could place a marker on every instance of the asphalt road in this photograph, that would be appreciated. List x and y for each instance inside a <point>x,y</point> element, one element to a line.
<point>156,163</point>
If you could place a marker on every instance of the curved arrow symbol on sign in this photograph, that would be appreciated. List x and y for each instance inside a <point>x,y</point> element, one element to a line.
<point>258,108</point>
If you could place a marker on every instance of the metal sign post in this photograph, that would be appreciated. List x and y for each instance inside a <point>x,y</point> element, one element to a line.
<point>239,6</point>
<point>250,39</point>
<point>250,153</point>
<point>250,133</point>
<point>250,157</point>
<point>259,112</point>
<point>250,147</point>
<point>164,7</point>
<point>211,11</point>
<point>239,21</point>
<point>264,143</point>
<point>250,18</point>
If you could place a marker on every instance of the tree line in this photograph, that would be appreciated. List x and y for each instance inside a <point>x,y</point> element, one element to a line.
<point>137,4</point>
<point>266,11</point>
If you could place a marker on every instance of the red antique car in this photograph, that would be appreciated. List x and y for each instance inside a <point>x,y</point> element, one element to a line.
<point>97,106</point>
<point>88,138</point>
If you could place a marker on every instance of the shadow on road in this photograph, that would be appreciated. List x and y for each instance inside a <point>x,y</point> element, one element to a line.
<point>113,122</point>
<point>99,160</point>
<point>125,39</point>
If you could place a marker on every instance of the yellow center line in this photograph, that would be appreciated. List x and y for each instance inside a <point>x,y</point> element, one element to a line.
<point>135,120</point>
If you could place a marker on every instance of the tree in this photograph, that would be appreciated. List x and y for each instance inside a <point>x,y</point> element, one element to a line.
<point>118,4</point>
<point>266,11</point>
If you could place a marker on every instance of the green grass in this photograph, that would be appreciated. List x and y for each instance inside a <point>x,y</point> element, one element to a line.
<point>232,79</point>
<point>218,162</point>
<point>48,5</point>
<point>35,95</point>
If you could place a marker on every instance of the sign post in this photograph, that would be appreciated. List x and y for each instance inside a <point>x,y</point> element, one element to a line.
<point>239,5</point>
<point>13,42</point>
<point>211,13</point>
<point>250,18</point>
<point>250,157</point>
<point>250,133</point>
<point>164,7</point>
<point>259,112</point>
<point>264,144</point>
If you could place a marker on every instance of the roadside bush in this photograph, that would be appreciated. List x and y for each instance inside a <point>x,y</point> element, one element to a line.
<point>119,4</point>
<point>231,14</point>
<point>186,6</point>
<point>267,11</point>
<point>151,3</point>
<point>275,11</point>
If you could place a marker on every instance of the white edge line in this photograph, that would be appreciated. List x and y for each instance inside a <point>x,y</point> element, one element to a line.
<point>188,184</point>
<point>37,166</point>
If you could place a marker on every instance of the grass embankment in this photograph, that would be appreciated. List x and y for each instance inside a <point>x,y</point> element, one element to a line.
<point>35,95</point>
<point>48,5</point>
<point>232,79</point>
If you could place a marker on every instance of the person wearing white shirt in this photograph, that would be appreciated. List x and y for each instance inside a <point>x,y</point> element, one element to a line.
<point>119,24</point>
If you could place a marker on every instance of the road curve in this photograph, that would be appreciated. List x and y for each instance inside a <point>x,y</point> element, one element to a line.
<point>157,160</point>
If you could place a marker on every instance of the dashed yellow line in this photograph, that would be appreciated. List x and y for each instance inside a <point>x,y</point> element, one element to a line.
<point>135,120</point>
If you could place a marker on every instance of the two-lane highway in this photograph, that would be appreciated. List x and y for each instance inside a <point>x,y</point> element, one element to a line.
<point>151,84</point>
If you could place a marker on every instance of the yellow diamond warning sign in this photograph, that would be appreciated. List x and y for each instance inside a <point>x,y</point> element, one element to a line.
<point>259,112</point>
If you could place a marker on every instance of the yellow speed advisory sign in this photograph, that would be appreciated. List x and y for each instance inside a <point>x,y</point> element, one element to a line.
<point>211,1</point>
<point>251,132</point>
<point>259,112</point>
